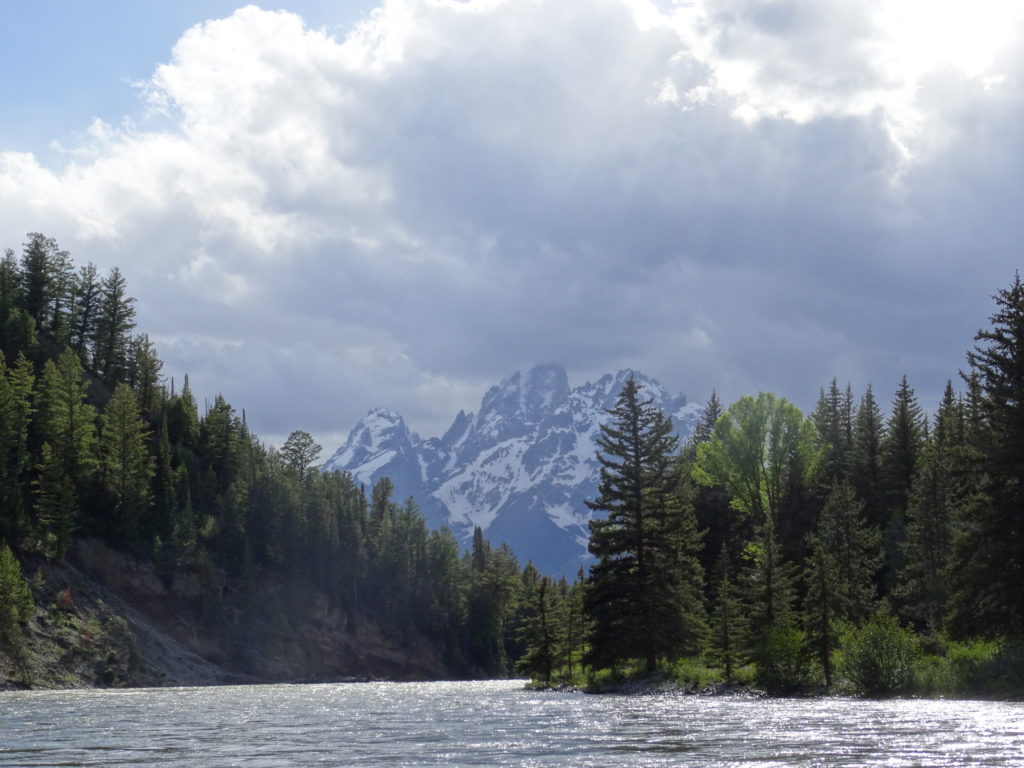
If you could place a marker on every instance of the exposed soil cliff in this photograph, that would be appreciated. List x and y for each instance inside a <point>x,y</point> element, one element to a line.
<point>106,618</point>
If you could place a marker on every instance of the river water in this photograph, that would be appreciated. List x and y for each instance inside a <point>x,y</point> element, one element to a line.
<point>492,724</point>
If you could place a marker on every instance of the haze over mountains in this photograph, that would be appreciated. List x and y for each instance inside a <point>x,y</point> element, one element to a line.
<point>520,468</point>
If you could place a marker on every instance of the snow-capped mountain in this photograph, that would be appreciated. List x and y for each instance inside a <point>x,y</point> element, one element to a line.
<point>520,468</point>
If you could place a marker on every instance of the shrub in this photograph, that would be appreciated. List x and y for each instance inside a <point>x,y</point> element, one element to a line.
<point>784,662</point>
<point>878,659</point>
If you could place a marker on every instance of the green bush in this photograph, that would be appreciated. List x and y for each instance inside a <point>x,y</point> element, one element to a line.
<point>878,659</point>
<point>784,662</point>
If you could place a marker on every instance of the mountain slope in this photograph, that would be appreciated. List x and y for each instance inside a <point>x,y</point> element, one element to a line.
<point>520,468</point>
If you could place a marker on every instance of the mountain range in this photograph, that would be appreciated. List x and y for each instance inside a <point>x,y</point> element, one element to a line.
<point>520,468</point>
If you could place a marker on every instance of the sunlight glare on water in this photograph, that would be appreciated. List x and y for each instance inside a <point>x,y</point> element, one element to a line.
<point>492,724</point>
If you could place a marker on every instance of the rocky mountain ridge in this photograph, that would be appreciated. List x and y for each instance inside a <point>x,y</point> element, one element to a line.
<point>520,467</point>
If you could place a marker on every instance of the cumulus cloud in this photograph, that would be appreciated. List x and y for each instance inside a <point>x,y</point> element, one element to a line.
<point>724,193</point>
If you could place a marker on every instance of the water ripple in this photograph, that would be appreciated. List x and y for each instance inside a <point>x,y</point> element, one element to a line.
<point>491,724</point>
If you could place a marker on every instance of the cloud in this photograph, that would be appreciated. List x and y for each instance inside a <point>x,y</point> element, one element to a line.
<point>721,193</point>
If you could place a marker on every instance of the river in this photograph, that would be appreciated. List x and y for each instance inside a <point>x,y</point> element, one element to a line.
<point>492,724</point>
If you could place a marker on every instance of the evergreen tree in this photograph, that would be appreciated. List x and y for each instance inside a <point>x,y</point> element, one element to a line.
<point>866,471</point>
<point>300,451</point>
<point>543,635</point>
<point>854,552</point>
<point>39,257</point>
<point>901,453</point>
<point>16,410</point>
<point>642,600</point>
<point>823,605</point>
<point>114,325</point>
<point>832,418</point>
<point>934,499</point>
<point>68,420</point>
<point>712,410</point>
<point>16,605</point>
<point>85,310</point>
<point>988,565</point>
<point>56,505</point>
<point>727,617</point>
<point>144,373</point>
<point>126,464</point>
<point>10,285</point>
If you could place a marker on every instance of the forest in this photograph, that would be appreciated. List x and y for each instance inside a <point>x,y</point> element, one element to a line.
<point>851,549</point>
<point>96,442</point>
<point>846,550</point>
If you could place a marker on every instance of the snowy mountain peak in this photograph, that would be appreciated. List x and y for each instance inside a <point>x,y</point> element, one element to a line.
<point>520,468</point>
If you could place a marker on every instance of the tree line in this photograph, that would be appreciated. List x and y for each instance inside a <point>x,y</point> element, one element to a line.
<point>800,551</point>
<point>94,441</point>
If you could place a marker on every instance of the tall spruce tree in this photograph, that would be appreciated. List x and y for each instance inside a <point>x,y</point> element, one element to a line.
<point>726,639</point>
<point>114,325</point>
<point>934,499</point>
<point>68,420</point>
<point>988,565</point>
<point>638,597</point>
<point>126,464</point>
<point>901,453</point>
<point>17,385</point>
<point>854,549</point>
<point>866,459</point>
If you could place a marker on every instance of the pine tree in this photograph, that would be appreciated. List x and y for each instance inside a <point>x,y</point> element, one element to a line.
<point>643,593</point>
<point>866,470</point>
<point>300,451</point>
<point>37,288</point>
<point>544,636</point>
<point>823,605</point>
<point>833,419</point>
<point>10,285</point>
<point>988,563</point>
<point>935,497</point>
<point>854,549</point>
<point>68,420</point>
<point>713,409</point>
<point>85,311</point>
<point>56,505</point>
<point>901,453</point>
<point>727,617</point>
<point>16,605</point>
<point>16,409</point>
<point>114,325</point>
<point>126,464</point>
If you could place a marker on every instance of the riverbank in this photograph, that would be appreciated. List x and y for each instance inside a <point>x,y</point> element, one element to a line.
<point>105,618</point>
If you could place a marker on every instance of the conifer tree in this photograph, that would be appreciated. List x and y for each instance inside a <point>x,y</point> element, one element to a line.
<point>934,500</point>
<point>901,452</point>
<point>85,311</point>
<point>10,285</point>
<point>854,551</point>
<point>16,410</point>
<point>726,637</point>
<point>988,565</point>
<point>68,420</point>
<point>543,634</point>
<point>639,598</point>
<point>866,470</point>
<point>823,605</point>
<point>39,255</point>
<point>300,451</point>
<point>126,464</point>
<point>114,325</point>
<point>833,419</point>
<point>56,505</point>
<point>16,604</point>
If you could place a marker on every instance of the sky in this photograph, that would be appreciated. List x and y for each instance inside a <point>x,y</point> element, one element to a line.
<point>326,207</point>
